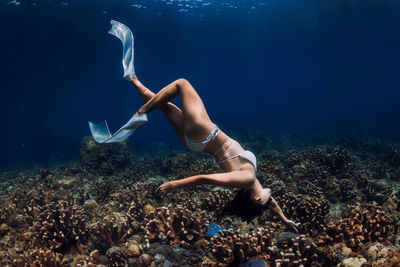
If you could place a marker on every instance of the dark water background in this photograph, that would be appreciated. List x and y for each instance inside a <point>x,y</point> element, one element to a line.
<point>306,66</point>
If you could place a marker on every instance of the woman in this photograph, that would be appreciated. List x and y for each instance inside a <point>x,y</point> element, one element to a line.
<point>198,133</point>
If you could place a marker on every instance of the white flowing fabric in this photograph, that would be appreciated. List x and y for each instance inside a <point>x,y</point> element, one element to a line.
<point>100,131</point>
<point>123,33</point>
<point>102,134</point>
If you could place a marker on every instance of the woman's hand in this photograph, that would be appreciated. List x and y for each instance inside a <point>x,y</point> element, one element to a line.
<point>167,187</point>
<point>292,225</point>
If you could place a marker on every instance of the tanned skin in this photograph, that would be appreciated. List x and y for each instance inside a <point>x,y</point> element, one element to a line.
<point>193,121</point>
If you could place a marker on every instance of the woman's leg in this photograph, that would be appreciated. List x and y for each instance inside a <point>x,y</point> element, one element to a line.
<point>196,122</point>
<point>171,112</point>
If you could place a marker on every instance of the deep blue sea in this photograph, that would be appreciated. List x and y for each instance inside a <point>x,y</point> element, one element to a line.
<point>317,67</point>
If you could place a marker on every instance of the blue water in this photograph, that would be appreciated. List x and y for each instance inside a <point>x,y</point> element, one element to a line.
<point>282,66</point>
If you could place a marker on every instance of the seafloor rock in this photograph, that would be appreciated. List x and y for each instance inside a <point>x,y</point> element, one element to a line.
<point>116,256</point>
<point>90,204</point>
<point>145,259</point>
<point>133,249</point>
<point>4,228</point>
<point>382,255</point>
<point>105,158</point>
<point>352,262</point>
<point>148,208</point>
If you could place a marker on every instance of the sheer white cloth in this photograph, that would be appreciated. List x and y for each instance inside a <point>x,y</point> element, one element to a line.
<point>101,133</point>
<point>123,33</point>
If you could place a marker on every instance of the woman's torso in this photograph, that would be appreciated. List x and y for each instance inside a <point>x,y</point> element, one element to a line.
<point>222,147</point>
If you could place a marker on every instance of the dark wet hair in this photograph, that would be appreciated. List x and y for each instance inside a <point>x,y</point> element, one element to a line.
<point>243,206</point>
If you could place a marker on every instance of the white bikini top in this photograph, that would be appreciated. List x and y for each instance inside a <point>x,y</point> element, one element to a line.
<point>246,154</point>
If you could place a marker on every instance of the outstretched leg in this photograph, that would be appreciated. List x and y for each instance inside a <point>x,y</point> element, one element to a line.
<point>195,120</point>
<point>171,112</point>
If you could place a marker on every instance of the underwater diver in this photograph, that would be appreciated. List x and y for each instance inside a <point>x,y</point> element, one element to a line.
<point>198,133</point>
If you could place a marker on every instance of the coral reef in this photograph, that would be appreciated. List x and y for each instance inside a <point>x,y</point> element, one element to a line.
<point>381,255</point>
<point>106,211</point>
<point>233,248</point>
<point>105,158</point>
<point>39,257</point>
<point>187,164</point>
<point>175,225</point>
<point>311,212</point>
<point>216,200</point>
<point>297,251</point>
<point>113,229</point>
<point>357,229</point>
<point>58,226</point>
<point>135,198</point>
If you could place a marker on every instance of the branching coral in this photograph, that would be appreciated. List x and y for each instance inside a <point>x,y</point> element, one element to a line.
<point>39,257</point>
<point>175,225</point>
<point>296,251</point>
<point>269,169</point>
<point>357,229</point>
<point>133,199</point>
<point>232,248</point>
<point>333,172</point>
<point>7,214</point>
<point>58,226</point>
<point>187,164</point>
<point>102,189</point>
<point>112,230</point>
<point>217,200</point>
<point>36,223</point>
<point>309,211</point>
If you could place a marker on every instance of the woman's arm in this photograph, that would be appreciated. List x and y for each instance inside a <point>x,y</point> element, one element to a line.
<point>238,179</point>
<point>278,211</point>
